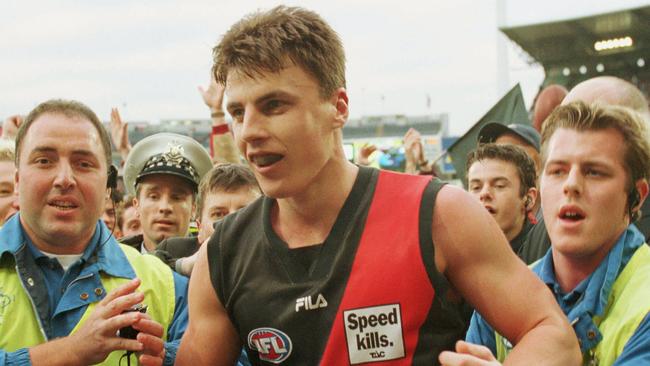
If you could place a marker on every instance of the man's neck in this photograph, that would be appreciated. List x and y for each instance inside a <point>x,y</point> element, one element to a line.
<point>308,218</point>
<point>149,245</point>
<point>570,271</point>
<point>70,245</point>
<point>517,229</point>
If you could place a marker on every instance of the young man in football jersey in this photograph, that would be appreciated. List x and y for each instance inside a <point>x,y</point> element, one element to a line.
<point>339,264</point>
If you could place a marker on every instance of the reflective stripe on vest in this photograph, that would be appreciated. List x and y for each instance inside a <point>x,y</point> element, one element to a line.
<point>19,324</point>
<point>627,306</point>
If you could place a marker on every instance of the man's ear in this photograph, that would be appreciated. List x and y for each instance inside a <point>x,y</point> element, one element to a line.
<point>531,198</point>
<point>339,100</point>
<point>642,188</point>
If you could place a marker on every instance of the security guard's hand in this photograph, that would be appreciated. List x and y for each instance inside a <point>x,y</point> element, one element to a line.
<point>97,336</point>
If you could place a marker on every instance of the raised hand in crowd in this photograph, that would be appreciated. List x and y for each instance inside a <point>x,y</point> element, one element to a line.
<point>213,98</point>
<point>413,152</point>
<point>120,134</point>
<point>363,158</point>
<point>222,144</point>
<point>10,126</point>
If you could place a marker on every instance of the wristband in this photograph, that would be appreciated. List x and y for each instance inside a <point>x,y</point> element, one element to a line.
<point>217,114</point>
<point>220,129</point>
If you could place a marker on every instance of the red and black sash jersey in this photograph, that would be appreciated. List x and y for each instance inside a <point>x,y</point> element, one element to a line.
<point>373,294</point>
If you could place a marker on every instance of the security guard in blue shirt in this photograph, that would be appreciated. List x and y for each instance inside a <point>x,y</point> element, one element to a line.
<point>67,287</point>
<point>595,179</point>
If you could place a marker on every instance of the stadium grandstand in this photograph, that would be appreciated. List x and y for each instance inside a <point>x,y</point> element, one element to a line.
<point>573,50</point>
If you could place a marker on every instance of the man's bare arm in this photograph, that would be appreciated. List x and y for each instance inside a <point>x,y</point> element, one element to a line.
<point>473,253</point>
<point>210,338</point>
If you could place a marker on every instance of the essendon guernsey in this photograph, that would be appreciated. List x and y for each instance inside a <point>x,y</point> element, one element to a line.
<point>368,294</point>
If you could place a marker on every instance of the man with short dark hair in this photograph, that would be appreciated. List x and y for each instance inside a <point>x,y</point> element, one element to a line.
<point>223,190</point>
<point>162,172</point>
<point>503,179</point>
<point>311,273</point>
<point>67,285</point>
<point>597,166</point>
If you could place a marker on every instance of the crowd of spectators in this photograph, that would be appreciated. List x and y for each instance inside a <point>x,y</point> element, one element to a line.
<point>272,247</point>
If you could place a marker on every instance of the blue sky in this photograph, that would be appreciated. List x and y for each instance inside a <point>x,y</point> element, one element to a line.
<point>148,57</point>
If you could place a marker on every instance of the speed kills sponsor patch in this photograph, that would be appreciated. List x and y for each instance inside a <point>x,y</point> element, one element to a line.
<point>374,334</point>
<point>271,344</point>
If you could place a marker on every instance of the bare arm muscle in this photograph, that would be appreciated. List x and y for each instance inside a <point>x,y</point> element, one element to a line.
<point>210,338</point>
<point>473,253</point>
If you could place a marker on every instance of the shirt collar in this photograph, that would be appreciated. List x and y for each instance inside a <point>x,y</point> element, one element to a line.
<point>596,288</point>
<point>103,249</point>
<point>589,299</point>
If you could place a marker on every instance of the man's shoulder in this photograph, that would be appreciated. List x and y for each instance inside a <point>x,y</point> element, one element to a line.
<point>179,247</point>
<point>133,241</point>
<point>536,243</point>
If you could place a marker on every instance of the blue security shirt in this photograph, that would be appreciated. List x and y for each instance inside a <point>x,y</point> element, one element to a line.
<point>587,300</point>
<point>61,290</point>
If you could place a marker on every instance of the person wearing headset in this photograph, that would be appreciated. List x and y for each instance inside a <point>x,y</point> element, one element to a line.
<point>502,178</point>
<point>594,181</point>
<point>66,285</point>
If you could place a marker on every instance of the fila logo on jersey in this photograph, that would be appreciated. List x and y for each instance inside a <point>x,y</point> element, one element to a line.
<point>307,303</point>
<point>374,334</point>
<point>271,344</point>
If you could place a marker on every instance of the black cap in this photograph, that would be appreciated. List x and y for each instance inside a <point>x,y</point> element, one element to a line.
<point>492,131</point>
<point>172,163</point>
<point>166,153</point>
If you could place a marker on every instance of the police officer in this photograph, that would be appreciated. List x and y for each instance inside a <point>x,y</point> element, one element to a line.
<point>162,172</point>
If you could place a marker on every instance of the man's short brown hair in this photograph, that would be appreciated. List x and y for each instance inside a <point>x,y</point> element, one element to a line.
<point>512,154</point>
<point>225,177</point>
<point>265,41</point>
<point>583,117</point>
<point>68,108</point>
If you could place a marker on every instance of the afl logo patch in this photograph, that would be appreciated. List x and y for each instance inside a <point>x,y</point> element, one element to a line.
<point>272,345</point>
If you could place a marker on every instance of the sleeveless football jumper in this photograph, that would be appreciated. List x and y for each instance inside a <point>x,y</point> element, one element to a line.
<point>372,295</point>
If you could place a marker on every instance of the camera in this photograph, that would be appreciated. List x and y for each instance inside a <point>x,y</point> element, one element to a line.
<point>129,332</point>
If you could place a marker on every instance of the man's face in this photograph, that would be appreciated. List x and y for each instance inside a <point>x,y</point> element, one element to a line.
<point>61,180</point>
<point>511,139</point>
<point>495,183</point>
<point>7,193</point>
<point>283,127</point>
<point>165,204</point>
<point>217,204</point>
<point>583,190</point>
<point>109,216</point>
<point>131,222</point>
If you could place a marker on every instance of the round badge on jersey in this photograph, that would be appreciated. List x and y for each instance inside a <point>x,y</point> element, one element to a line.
<point>271,344</point>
